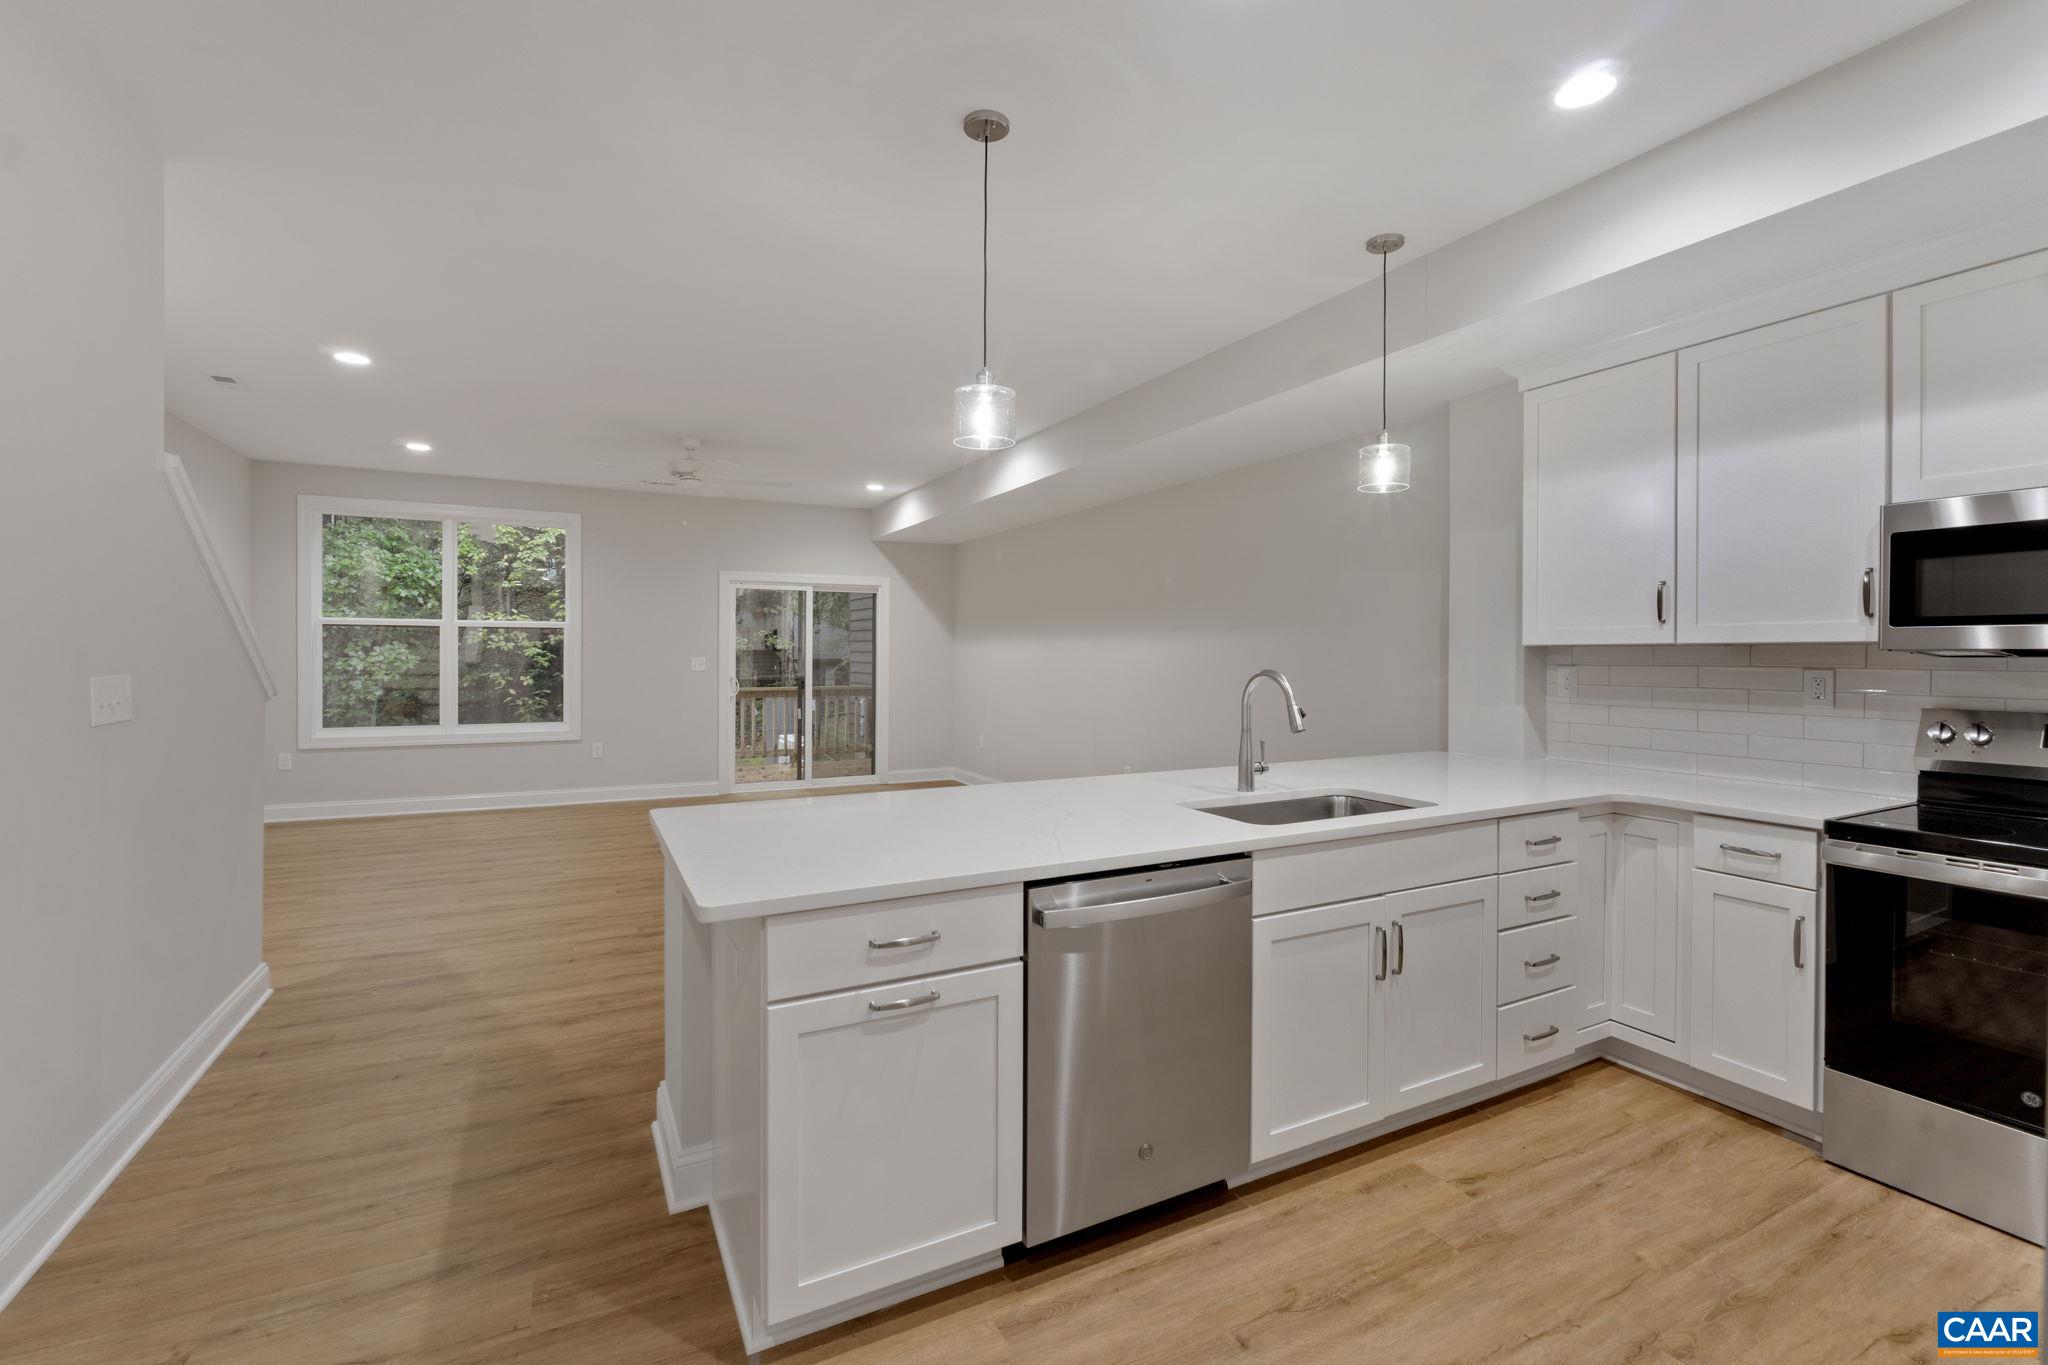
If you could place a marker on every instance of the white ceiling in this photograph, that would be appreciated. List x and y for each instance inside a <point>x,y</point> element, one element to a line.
<point>571,231</point>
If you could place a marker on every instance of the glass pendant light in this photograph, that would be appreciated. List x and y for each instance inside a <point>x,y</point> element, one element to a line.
<point>985,412</point>
<point>1383,465</point>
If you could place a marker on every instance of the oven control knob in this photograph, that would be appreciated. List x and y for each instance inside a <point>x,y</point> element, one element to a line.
<point>1941,732</point>
<point>1978,733</point>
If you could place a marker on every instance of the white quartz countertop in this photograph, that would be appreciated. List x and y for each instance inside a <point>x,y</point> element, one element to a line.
<point>770,857</point>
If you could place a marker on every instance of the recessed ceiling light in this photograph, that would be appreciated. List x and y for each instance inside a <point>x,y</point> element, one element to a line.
<point>350,358</point>
<point>419,447</point>
<point>874,488</point>
<point>1588,85</point>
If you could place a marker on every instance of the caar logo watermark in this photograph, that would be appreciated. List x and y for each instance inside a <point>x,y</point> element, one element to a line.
<point>1987,1334</point>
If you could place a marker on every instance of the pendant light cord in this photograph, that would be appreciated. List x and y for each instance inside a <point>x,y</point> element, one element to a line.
<point>984,251</point>
<point>1383,344</point>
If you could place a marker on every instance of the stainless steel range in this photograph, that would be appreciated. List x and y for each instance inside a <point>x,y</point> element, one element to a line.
<point>1936,1036</point>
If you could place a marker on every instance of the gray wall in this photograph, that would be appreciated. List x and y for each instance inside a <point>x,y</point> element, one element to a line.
<point>131,854</point>
<point>1121,636</point>
<point>1495,685</point>
<point>650,600</point>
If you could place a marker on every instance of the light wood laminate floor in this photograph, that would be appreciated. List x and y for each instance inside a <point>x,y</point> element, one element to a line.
<point>432,1145</point>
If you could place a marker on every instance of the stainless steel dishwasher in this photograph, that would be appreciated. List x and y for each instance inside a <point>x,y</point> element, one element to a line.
<point>1138,1041</point>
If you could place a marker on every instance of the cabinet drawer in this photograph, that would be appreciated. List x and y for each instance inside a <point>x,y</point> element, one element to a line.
<point>1537,958</point>
<point>1319,874</point>
<point>1550,836</point>
<point>1743,848</point>
<point>1540,893</point>
<point>1534,1031</point>
<point>858,945</point>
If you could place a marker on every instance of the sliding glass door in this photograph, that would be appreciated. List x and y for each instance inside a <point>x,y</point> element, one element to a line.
<point>804,697</point>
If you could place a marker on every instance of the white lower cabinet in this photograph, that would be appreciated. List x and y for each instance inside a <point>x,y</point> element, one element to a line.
<point>1439,991</point>
<point>1596,853</point>
<point>1755,964</point>
<point>1643,904</point>
<point>1315,1024</point>
<point>894,1134</point>
<point>1534,1031</point>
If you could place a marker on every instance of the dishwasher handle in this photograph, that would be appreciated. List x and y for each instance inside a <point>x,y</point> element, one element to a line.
<point>1081,916</point>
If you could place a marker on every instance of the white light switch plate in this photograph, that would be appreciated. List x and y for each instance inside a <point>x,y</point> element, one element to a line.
<point>112,699</point>
<point>696,663</point>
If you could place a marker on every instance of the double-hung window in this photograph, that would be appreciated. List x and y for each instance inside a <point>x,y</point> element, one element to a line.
<point>423,623</point>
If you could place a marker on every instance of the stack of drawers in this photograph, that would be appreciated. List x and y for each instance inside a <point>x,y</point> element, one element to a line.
<point>1538,940</point>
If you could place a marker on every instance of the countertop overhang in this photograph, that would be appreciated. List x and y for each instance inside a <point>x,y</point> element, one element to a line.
<point>744,859</point>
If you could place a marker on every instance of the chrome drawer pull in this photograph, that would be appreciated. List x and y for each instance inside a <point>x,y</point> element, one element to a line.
<point>883,1007</point>
<point>1751,852</point>
<point>913,941</point>
<point>1539,1037</point>
<point>1543,843</point>
<point>1550,895</point>
<point>1799,943</point>
<point>1550,961</point>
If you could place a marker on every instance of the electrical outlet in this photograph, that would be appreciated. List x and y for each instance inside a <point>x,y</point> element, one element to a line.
<point>1568,683</point>
<point>981,741</point>
<point>284,763</point>
<point>696,663</point>
<point>597,749</point>
<point>111,699</point>
<point>1820,687</point>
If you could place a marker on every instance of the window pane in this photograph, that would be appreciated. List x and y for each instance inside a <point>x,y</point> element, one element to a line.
<point>380,566</point>
<point>510,676</point>
<point>768,718</point>
<point>511,573</point>
<point>843,670</point>
<point>380,675</point>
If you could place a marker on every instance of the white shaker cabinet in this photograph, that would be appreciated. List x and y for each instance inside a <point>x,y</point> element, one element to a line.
<point>1439,991</point>
<point>1643,925</point>
<point>1596,852</point>
<point>894,1134</point>
<point>1315,1024</point>
<point>1755,964</point>
<point>1781,479</point>
<point>1599,550</point>
<point>1969,400</point>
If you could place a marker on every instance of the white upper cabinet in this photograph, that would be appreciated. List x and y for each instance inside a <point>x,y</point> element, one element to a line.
<point>1440,990</point>
<point>1599,549</point>
<point>1754,967</point>
<point>1781,478</point>
<point>1970,382</point>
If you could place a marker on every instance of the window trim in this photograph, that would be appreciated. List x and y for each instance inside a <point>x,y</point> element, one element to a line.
<point>313,735</point>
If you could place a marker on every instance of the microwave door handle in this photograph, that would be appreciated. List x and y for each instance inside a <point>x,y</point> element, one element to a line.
<point>1870,594</point>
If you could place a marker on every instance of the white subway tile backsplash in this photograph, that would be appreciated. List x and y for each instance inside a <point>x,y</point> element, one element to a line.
<point>1753,723</point>
<point>1740,711</point>
<point>1755,679</point>
<point>1660,760</point>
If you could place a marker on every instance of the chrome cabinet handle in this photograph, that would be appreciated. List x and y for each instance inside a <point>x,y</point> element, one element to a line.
<point>1549,895</point>
<point>1381,974</point>
<point>913,941</point>
<point>1870,593</point>
<point>911,1002</point>
<point>1550,961</point>
<point>1400,947</point>
<point>1549,842</point>
<point>1751,852</point>
<point>1663,584</point>
<point>1799,943</point>
<point>1550,1032</point>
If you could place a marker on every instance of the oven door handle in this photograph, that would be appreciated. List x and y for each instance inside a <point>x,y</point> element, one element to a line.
<point>2031,883</point>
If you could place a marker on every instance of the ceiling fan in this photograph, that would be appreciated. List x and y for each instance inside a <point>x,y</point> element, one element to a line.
<point>689,474</point>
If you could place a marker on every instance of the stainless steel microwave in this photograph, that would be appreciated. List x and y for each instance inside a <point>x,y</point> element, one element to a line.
<point>1967,575</point>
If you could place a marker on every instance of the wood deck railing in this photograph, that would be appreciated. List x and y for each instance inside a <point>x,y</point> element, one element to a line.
<point>769,725</point>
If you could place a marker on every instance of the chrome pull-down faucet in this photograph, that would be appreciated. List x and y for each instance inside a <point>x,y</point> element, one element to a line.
<point>1297,721</point>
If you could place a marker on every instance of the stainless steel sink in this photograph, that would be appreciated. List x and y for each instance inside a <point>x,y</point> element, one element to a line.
<point>1294,810</point>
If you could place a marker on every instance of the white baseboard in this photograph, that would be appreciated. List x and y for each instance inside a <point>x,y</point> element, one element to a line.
<point>434,805</point>
<point>974,779</point>
<point>685,1171</point>
<point>38,1229</point>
